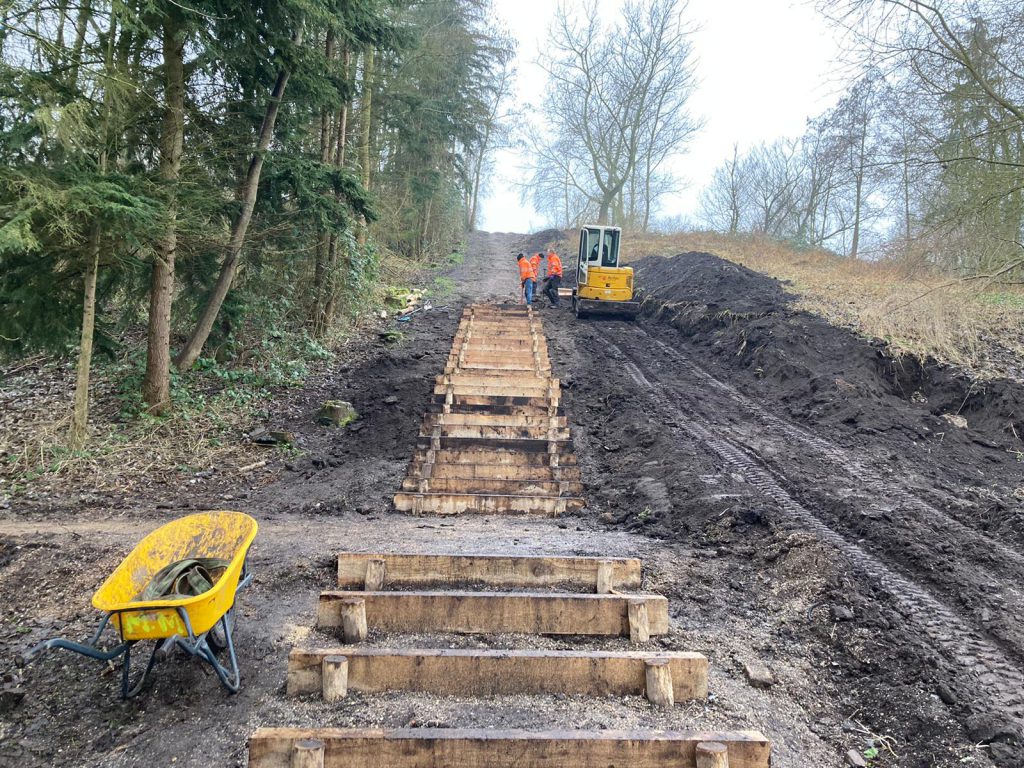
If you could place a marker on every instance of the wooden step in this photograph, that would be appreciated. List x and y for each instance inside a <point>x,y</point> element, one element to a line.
<point>499,329</point>
<point>492,748</point>
<point>490,457</point>
<point>505,368</point>
<point>476,486</point>
<point>543,471</point>
<point>527,385</point>
<point>497,419</point>
<point>495,444</point>
<point>523,388</point>
<point>473,672</point>
<point>481,344</point>
<point>403,570</point>
<point>496,612</point>
<point>475,348</point>
<point>477,400</point>
<point>493,432</point>
<point>486,504</point>
<point>533,411</point>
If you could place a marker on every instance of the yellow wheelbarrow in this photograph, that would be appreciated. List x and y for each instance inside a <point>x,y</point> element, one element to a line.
<point>200,624</point>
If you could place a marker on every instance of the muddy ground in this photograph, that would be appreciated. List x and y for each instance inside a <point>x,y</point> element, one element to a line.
<point>798,496</point>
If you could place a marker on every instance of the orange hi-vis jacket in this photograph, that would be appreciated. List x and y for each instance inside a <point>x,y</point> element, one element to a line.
<point>535,263</point>
<point>554,264</point>
<point>526,270</point>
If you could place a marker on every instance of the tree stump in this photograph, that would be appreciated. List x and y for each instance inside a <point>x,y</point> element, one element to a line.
<point>375,572</point>
<point>712,754</point>
<point>659,682</point>
<point>308,753</point>
<point>605,580</point>
<point>334,677</point>
<point>353,619</point>
<point>639,627</point>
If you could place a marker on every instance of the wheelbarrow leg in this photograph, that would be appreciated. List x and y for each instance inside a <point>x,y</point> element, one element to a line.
<point>128,689</point>
<point>230,676</point>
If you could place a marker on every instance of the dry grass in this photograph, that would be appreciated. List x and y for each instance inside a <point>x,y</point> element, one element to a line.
<point>123,455</point>
<point>917,311</point>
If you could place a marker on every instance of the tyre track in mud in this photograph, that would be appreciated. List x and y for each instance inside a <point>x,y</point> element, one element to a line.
<point>957,574</point>
<point>991,682</point>
<point>849,464</point>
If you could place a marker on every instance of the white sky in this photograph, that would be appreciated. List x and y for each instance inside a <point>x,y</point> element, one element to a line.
<point>764,67</point>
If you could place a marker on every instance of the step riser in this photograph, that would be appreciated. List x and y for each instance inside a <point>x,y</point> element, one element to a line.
<point>493,433</point>
<point>486,504</point>
<point>403,570</point>
<point>493,444</point>
<point>485,748</point>
<point>494,673</point>
<point>495,612</point>
<point>476,400</point>
<point>503,487</point>
<point>543,472</point>
<point>484,457</point>
<point>496,420</point>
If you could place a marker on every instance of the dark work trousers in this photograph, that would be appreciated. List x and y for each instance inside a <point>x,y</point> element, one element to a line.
<point>551,288</point>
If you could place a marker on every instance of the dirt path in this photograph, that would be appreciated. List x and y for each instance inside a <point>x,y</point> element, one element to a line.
<point>888,615</point>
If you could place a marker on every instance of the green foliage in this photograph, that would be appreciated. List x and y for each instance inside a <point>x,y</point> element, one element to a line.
<point>45,219</point>
<point>85,153</point>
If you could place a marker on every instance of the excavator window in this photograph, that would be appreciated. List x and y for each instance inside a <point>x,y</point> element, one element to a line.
<point>610,249</point>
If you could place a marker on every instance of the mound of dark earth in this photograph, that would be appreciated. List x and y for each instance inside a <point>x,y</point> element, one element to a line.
<point>822,373</point>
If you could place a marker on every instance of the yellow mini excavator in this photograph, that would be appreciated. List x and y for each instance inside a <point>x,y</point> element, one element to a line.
<point>602,286</point>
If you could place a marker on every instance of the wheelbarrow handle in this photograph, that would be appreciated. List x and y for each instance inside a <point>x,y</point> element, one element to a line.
<point>70,645</point>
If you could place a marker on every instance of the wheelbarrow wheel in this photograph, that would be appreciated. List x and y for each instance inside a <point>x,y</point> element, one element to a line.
<point>217,637</point>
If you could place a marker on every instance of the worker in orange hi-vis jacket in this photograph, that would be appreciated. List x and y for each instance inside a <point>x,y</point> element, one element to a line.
<point>554,279</point>
<point>535,260</point>
<point>527,276</point>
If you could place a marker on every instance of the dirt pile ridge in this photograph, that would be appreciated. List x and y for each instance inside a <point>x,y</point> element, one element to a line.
<point>822,373</point>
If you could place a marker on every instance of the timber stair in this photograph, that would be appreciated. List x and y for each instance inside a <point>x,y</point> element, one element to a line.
<point>495,440</point>
<point>496,447</point>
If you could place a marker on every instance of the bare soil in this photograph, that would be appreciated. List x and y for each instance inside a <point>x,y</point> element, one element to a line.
<point>794,491</point>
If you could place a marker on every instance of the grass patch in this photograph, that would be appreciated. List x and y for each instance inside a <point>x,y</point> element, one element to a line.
<point>443,287</point>
<point>213,406</point>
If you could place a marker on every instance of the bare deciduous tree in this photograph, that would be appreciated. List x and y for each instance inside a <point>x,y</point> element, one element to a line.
<point>615,111</point>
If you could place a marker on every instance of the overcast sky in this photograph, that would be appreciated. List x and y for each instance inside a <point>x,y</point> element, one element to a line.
<point>764,67</point>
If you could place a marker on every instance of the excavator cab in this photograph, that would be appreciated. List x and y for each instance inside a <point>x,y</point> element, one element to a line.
<point>602,286</point>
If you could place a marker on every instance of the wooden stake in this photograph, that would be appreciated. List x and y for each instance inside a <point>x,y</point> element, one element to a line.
<point>353,619</point>
<point>659,682</point>
<point>605,579</point>
<point>639,626</point>
<point>308,753</point>
<point>712,754</point>
<point>334,676</point>
<point>375,570</point>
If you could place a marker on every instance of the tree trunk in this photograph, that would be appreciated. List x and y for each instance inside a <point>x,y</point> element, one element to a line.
<point>79,433</point>
<point>250,188</point>
<point>323,244</point>
<point>474,198</point>
<point>339,156</point>
<point>156,385</point>
<point>365,116</point>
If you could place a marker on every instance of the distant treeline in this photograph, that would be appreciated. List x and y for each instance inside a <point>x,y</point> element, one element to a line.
<point>922,158</point>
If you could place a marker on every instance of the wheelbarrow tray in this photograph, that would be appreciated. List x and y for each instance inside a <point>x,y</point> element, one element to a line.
<point>222,534</point>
